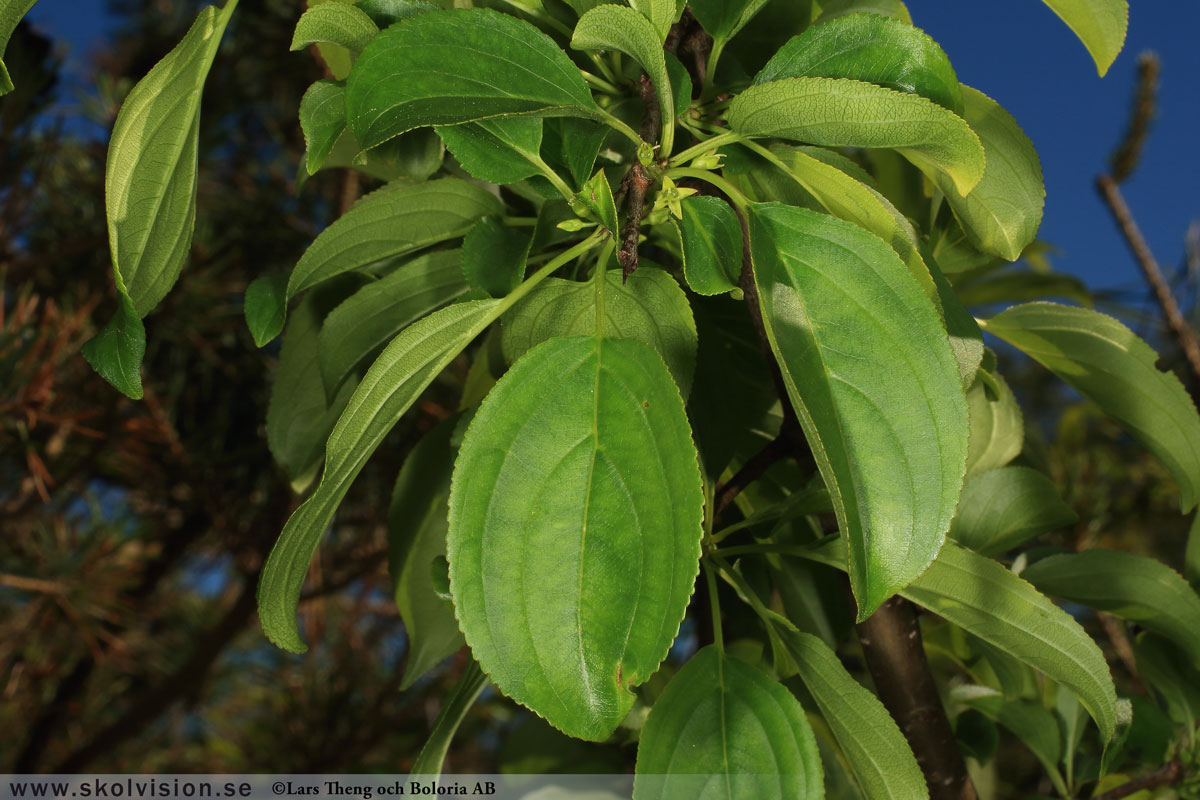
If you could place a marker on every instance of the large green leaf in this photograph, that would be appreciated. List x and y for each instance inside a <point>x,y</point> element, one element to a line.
<point>838,112</point>
<point>876,749</point>
<point>416,536</point>
<point>342,24</point>
<point>392,384</point>
<point>496,150</point>
<point>1129,586</point>
<point>1002,213</point>
<point>724,18</point>
<point>997,426</point>
<point>983,598</point>
<point>575,522</point>
<point>1005,507</point>
<point>613,27</point>
<point>447,67</point>
<point>397,219</point>
<point>712,245</point>
<point>723,729</point>
<point>369,318</point>
<point>11,12</point>
<point>871,48</point>
<point>650,306</point>
<point>1108,364</point>
<point>871,374</point>
<point>1099,24</point>
<point>323,120</point>
<point>494,257</point>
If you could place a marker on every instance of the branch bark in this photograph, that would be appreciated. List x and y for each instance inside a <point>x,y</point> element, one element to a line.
<point>637,181</point>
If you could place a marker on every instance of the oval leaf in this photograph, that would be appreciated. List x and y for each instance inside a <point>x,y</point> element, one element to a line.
<point>997,426</point>
<point>265,308</point>
<point>323,120</point>
<point>1099,24</point>
<point>723,729</point>
<point>392,221</point>
<point>874,381</point>
<point>334,23</point>
<point>1108,364</point>
<point>447,67</point>
<point>1128,586</point>
<point>712,245</point>
<point>876,749</point>
<point>496,150</point>
<point>575,523</point>
<point>1005,507</point>
<point>838,112</point>
<point>871,48</point>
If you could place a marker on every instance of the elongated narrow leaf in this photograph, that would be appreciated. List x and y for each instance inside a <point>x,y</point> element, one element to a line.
<point>323,120</point>
<point>1108,364</point>
<point>369,318</point>
<point>334,23</point>
<point>613,27</point>
<point>723,729</point>
<point>395,380</point>
<point>433,754</point>
<point>837,112</point>
<point>447,67</point>
<point>264,307</point>
<point>997,426</point>
<point>983,598</point>
<point>712,245</point>
<point>878,394</point>
<point>11,12</point>
<point>397,219</point>
<point>1005,507</point>
<point>1099,24</point>
<point>724,18</point>
<point>650,306</point>
<point>496,150</point>
<point>1002,213</point>
<point>493,257</point>
<point>871,48</point>
<point>416,536</point>
<point>150,182</point>
<point>575,521</point>
<point>966,339</point>
<point>881,759</point>
<point>1129,586</point>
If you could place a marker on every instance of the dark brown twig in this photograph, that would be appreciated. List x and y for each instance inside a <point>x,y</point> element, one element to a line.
<point>775,451</point>
<point>636,182</point>
<point>1170,773</point>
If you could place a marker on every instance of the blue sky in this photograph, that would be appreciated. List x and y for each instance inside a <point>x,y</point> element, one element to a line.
<point>1021,54</point>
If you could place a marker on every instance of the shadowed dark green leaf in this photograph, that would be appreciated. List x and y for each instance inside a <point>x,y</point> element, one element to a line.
<point>723,729</point>
<point>878,393</point>
<point>447,67</point>
<point>722,19</point>
<point>498,150</point>
<point>116,351</point>
<point>323,120</point>
<point>871,48</point>
<point>265,307</point>
<point>712,245</point>
<point>493,257</point>
<point>1005,507</point>
<point>575,523</point>
<point>1108,364</point>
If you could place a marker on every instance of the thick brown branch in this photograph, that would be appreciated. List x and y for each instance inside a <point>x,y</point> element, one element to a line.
<point>1184,336</point>
<point>1171,773</point>
<point>891,642</point>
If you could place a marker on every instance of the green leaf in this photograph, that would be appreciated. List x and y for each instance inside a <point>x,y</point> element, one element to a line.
<point>1108,364</point>
<point>323,120</point>
<point>598,197</point>
<point>447,67</point>
<point>612,27</point>
<point>662,14</point>
<point>574,143</point>
<point>1005,507</point>
<point>878,393</point>
<point>11,12</point>
<point>493,257</point>
<point>575,523</point>
<point>1099,24</point>
<point>116,351</point>
<point>723,729</point>
<point>997,427</point>
<point>387,12</point>
<point>712,245</point>
<point>150,184</point>
<point>832,9</point>
<point>1002,213</point>
<point>650,306</point>
<point>433,754</point>
<point>871,48</point>
<point>265,307</point>
<point>1018,286</point>
<point>1132,587</point>
<point>1191,559</point>
<point>392,384</point>
<point>335,23</point>
<point>722,19</point>
<point>498,151</point>
<point>397,219</point>
<point>988,601</point>
<point>681,84</point>
<point>876,749</point>
<point>966,339</point>
<point>837,112</point>
<point>372,316</point>
<point>1164,668</point>
<point>416,536</point>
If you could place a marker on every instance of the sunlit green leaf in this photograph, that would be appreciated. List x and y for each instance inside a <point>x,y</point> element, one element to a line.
<point>712,245</point>
<point>1099,24</point>
<point>997,426</point>
<point>334,23</point>
<point>576,490</point>
<point>661,13</point>
<point>1005,507</point>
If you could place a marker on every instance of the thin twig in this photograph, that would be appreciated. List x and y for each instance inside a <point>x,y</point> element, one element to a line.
<point>775,451</point>
<point>1125,158</point>
<point>636,182</point>
<point>1170,773</point>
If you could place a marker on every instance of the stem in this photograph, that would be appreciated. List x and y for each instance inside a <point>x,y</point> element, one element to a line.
<point>731,191</point>
<point>776,450</point>
<point>715,606</point>
<point>599,83</point>
<point>549,174</point>
<point>620,127</point>
<point>714,55</point>
<point>540,16</point>
<point>684,156</point>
